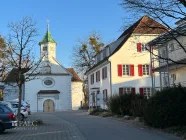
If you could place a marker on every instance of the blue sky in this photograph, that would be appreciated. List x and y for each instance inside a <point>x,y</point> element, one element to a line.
<point>69,20</point>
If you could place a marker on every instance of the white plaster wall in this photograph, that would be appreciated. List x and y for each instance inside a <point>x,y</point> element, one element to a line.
<point>102,84</point>
<point>62,84</point>
<point>178,52</point>
<point>128,55</point>
<point>77,95</point>
<point>180,75</point>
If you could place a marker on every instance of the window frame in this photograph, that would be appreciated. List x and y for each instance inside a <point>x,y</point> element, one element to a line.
<point>146,70</point>
<point>98,76</point>
<point>125,69</point>
<point>92,79</point>
<point>147,92</point>
<point>104,72</point>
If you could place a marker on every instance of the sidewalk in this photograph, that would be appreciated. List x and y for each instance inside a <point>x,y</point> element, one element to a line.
<point>54,128</point>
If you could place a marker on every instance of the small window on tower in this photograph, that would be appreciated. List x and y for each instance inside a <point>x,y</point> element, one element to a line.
<point>45,48</point>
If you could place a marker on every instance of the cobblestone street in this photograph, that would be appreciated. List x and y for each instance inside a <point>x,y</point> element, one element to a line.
<point>54,128</point>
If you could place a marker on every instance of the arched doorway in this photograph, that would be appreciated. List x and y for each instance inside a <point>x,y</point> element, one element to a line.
<point>48,106</point>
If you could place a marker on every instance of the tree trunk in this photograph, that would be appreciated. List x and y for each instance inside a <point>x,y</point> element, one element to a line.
<point>19,106</point>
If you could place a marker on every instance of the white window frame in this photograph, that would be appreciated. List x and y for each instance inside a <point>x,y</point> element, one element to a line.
<point>126,69</point>
<point>127,89</point>
<point>146,69</point>
<point>143,48</point>
<point>147,92</point>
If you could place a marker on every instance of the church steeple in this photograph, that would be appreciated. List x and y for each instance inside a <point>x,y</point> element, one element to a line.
<point>48,46</point>
<point>47,38</point>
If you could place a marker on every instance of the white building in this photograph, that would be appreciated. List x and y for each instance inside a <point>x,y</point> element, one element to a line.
<point>55,88</point>
<point>124,65</point>
<point>171,58</point>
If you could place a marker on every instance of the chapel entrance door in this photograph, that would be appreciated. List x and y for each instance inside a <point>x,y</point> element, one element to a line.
<point>48,106</point>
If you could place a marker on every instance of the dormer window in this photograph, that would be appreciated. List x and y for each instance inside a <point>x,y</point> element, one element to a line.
<point>45,48</point>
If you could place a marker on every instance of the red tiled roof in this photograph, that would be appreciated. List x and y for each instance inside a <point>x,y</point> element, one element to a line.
<point>146,25</point>
<point>75,76</point>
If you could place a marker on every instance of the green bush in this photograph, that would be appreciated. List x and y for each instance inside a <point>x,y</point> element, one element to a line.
<point>127,104</point>
<point>167,108</point>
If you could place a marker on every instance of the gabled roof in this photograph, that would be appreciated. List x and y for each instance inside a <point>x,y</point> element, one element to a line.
<point>13,74</point>
<point>75,76</point>
<point>47,38</point>
<point>144,25</point>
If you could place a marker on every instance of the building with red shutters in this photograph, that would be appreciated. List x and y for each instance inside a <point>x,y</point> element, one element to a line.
<point>123,66</point>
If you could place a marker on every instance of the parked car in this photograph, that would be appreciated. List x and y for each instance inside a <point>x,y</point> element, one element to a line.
<point>14,107</point>
<point>7,118</point>
<point>25,104</point>
<point>24,112</point>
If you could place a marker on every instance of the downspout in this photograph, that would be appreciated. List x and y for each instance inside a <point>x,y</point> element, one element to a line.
<point>110,74</point>
<point>110,80</point>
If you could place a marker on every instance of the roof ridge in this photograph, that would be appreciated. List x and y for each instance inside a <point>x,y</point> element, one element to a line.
<point>147,29</point>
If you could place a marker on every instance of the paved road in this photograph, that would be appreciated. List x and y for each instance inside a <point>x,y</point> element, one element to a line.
<point>97,128</point>
<point>77,125</point>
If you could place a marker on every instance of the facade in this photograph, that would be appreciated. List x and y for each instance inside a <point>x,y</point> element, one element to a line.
<point>171,59</point>
<point>124,65</point>
<point>55,88</point>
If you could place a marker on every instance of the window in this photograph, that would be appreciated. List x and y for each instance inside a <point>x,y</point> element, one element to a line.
<point>146,92</point>
<point>97,76</point>
<point>165,81</point>
<point>48,82</point>
<point>123,90</point>
<point>92,79</point>
<point>171,46</point>
<point>104,73</point>
<point>146,70</point>
<point>126,70</point>
<point>173,77</point>
<point>105,96</point>
<point>144,48</point>
<point>45,48</point>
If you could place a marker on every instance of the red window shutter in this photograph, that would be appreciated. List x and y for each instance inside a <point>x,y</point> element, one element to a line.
<point>141,91</point>
<point>140,70</point>
<point>139,45</point>
<point>120,91</point>
<point>133,90</point>
<point>120,70</point>
<point>131,70</point>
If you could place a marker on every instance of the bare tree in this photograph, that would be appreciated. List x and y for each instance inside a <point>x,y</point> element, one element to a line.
<point>164,11</point>
<point>83,57</point>
<point>20,53</point>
